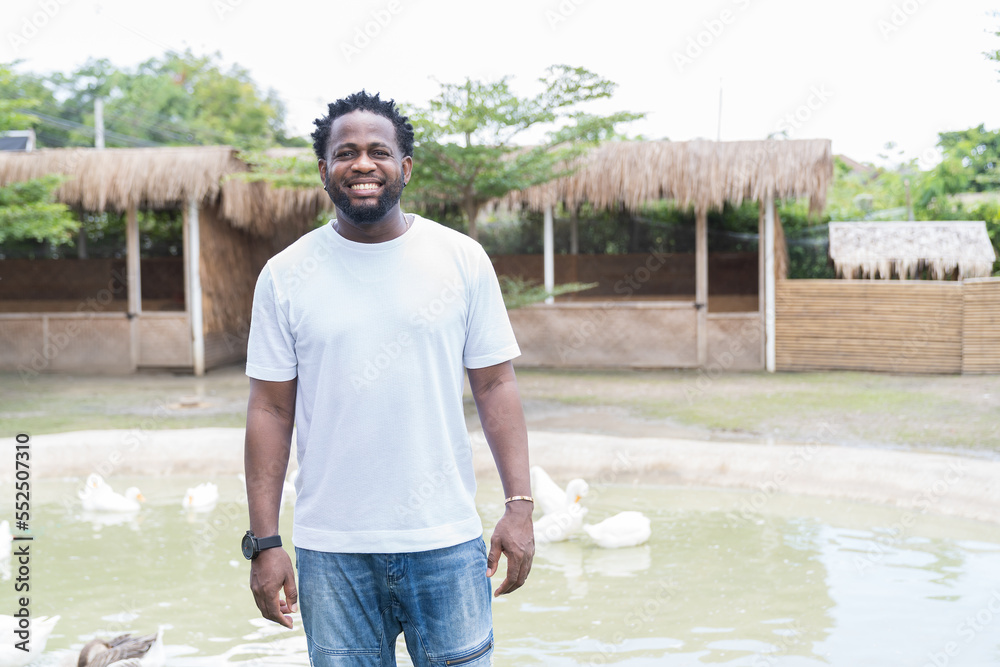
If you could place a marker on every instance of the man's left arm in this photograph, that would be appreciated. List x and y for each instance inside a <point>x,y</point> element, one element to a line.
<point>499,404</point>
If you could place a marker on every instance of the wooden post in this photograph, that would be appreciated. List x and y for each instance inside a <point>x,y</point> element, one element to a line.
<point>701,282</point>
<point>134,283</point>
<point>81,237</point>
<point>769,306</point>
<point>192,284</point>
<point>574,231</point>
<point>98,122</point>
<point>548,247</point>
<point>761,281</point>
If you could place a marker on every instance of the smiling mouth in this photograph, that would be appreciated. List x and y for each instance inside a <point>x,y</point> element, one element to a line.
<point>362,187</point>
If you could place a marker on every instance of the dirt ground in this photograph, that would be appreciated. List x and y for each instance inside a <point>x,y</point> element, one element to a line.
<point>957,414</point>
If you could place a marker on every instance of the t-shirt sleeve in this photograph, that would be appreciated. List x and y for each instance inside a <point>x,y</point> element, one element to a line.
<point>271,347</point>
<point>489,338</point>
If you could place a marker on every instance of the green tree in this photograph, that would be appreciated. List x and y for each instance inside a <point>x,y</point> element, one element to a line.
<point>177,99</point>
<point>971,159</point>
<point>466,137</point>
<point>28,210</point>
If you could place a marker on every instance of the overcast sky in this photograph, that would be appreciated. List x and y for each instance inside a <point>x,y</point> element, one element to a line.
<point>858,72</point>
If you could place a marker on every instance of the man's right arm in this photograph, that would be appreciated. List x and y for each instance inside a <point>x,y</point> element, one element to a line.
<point>270,418</point>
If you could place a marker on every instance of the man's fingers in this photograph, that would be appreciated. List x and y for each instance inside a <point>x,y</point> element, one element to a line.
<point>291,594</point>
<point>493,558</point>
<point>509,583</point>
<point>269,576</point>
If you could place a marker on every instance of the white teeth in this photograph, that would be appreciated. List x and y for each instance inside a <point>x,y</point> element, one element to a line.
<point>364,186</point>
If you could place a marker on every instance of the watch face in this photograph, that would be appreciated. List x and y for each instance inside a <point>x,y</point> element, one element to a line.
<point>247,546</point>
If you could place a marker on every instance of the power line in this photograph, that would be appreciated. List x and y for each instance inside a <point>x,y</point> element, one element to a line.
<point>88,130</point>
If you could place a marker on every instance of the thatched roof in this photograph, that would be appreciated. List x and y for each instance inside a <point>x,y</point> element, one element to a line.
<point>906,248</point>
<point>155,178</point>
<point>702,174</point>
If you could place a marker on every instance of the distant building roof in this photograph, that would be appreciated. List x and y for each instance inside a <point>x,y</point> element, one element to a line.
<point>854,165</point>
<point>17,140</point>
<point>906,248</point>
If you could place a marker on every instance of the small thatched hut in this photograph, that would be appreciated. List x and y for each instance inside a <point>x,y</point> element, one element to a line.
<point>949,248</point>
<point>188,313</point>
<point>684,330</point>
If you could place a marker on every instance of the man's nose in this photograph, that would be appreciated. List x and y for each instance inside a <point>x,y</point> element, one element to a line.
<point>364,164</point>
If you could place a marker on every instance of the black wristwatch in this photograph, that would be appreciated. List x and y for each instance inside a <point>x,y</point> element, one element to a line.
<point>253,545</point>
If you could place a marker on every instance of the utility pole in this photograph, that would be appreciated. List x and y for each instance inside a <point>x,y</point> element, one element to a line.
<point>718,131</point>
<point>98,122</point>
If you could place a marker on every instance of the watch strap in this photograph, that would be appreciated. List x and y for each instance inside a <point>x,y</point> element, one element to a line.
<point>268,542</point>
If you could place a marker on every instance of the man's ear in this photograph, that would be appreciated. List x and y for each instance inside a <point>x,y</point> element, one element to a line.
<point>407,169</point>
<point>322,171</point>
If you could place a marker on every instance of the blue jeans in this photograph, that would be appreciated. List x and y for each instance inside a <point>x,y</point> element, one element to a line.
<point>355,605</point>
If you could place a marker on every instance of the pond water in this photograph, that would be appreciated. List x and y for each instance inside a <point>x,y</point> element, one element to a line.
<point>800,582</point>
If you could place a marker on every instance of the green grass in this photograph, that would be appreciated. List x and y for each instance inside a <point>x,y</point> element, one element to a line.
<point>928,412</point>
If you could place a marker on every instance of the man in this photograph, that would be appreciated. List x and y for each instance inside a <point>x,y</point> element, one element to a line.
<point>361,334</point>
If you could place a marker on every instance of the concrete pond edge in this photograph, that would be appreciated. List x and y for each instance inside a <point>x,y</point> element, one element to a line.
<point>919,482</point>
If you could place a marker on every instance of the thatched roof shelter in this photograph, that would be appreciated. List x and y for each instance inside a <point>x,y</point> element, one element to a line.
<point>230,227</point>
<point>871,249</point>
<point>701,174</point>
<point>117,179</point>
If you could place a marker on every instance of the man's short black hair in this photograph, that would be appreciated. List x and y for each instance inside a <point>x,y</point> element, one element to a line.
<point>362,102</point>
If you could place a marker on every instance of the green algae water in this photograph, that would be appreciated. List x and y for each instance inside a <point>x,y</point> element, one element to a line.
<point>798,582</point>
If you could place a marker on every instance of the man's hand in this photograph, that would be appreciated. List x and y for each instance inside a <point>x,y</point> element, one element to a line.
<point>270,572</point>
<point>514,537</point>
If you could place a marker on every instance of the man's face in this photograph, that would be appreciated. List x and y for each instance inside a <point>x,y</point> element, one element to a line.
<point>365,170</point>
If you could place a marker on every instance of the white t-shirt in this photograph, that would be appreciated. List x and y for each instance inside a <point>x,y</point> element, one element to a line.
<point>379,336</point>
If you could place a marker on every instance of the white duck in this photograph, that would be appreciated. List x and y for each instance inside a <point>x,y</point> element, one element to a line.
<point>625,529</point>
<point>124,651</point>
<point>558,526</point>
<point>98,496</point>
<point>201,498</point>
<point>41,628</point>
<point>549,497</point>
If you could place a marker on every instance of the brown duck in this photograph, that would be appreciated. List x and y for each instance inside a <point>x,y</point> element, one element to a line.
<point>124,651</point>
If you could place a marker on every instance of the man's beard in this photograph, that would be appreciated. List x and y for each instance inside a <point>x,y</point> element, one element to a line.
<point>367,212</point>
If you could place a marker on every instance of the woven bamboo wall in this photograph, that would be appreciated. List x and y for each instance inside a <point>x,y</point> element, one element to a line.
<point>981,326</point>
<point>895,326</point>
